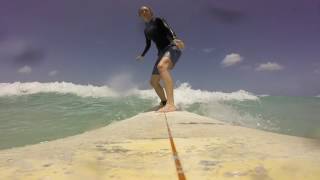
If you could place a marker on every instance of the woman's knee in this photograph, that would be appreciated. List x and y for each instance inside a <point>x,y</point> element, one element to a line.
<point>163,66</point>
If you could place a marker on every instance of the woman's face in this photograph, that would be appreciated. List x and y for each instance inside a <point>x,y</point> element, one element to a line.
<point>145,14</point>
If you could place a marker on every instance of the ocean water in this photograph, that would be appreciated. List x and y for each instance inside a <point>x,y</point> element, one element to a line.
<point>36,112</point>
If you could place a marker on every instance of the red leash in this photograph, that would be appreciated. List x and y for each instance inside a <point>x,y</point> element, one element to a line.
<point>179,169</point>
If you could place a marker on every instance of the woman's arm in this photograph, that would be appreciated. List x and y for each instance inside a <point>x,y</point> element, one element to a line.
<point>148,44</point>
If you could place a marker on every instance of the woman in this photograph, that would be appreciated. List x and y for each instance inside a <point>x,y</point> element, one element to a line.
<point>169,51</point>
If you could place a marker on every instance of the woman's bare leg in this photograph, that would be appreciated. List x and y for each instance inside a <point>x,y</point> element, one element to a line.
<point>164,66</point>
<point>155,83</point>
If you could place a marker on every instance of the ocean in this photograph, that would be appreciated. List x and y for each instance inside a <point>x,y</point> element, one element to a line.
<point>34,112</point>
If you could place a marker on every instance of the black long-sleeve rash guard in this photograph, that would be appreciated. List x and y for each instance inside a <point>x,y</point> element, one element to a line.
<point>158,30</point>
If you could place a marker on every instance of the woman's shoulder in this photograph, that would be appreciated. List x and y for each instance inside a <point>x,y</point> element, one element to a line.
<point>158,18</point>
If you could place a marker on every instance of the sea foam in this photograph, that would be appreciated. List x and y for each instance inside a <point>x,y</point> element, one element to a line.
<point>18,88</point>
<point>183,93</point>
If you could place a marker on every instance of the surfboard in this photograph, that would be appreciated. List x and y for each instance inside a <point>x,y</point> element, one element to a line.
<point>175,145</point>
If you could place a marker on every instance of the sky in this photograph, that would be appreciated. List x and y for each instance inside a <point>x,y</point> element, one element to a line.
<point>261,46</point>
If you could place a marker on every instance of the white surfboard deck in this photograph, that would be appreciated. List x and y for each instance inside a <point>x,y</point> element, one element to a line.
<point>139,148</point>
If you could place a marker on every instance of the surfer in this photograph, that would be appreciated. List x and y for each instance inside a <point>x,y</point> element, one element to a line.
<point>169,50</point>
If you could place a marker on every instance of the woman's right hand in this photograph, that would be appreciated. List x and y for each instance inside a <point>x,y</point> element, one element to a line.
<point>179,43</point>
<point>139,58</point>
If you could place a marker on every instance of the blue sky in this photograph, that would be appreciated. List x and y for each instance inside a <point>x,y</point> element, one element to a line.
<point>265,46</point>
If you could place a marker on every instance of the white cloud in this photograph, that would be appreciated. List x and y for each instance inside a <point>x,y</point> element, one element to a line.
<point>269,66</point>
<point>25,70</point>
<point>53,73</point>
<point>317,71</point>
<point>231,59</point>
<point>207,50</point>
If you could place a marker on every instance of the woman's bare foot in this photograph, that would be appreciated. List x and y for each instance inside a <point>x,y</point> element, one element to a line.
<point>167,108</point>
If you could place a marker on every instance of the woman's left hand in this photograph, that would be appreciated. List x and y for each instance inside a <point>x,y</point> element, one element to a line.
<point>179,43</point>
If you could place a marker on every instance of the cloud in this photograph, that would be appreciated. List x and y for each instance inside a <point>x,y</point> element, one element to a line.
<point>25,70</point>
<point>29,55</point>
<point>53,73</point>
<point>231,59</point>
<point>20,52</point>
<point>269,66</point>
<point>207,50</point>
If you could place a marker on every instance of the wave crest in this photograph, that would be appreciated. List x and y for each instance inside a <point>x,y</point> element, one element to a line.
<point>183,94</point>
<point>18,88</point>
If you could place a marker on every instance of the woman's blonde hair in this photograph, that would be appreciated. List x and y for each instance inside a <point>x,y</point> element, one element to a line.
<point>145,7</point>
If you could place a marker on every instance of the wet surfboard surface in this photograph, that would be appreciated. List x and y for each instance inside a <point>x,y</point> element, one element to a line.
<point>140,148</point>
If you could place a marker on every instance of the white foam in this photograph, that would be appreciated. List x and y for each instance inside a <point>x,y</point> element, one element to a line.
<point>183,94</point>
<point>263,95</point>
<point>18,88</point>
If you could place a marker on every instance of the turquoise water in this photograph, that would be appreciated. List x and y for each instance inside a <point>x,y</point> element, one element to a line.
<point>33,113</point>
<point>297,116</point>
<point>29,119</point>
